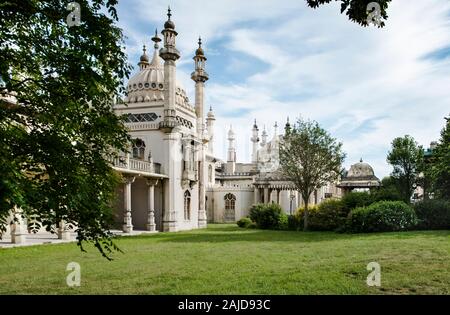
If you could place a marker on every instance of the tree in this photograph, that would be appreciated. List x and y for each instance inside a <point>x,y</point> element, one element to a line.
<point>57,125</point>
<point>388,191</point>
<point>310,158</point>
<point>356,10</point>
<point>440,164</point>
<point>406,157</point>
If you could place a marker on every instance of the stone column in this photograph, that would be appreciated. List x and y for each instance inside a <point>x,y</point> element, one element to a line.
<point>266,195</point>
<point>63,231</point>
<point>151,225</point>
<point>256,195</point>
<point>19,229</point>
<point>127,220</point>
<point>270,195</point>
<point>278,196</point>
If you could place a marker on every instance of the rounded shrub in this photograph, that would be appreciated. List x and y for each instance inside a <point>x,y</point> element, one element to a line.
<point>266,216</point>
<point>433,214</point>
<point>330,215</point>
<point>244,222</point>
<point>356,199</point>
<point>382,216</point>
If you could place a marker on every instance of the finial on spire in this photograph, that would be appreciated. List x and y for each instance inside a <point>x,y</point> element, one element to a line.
<point>361,160</point>
<point>169,13</point>
<point>210,108</point>
<point>156,39</point>
<point>199,41</point>
<point>144,49</point>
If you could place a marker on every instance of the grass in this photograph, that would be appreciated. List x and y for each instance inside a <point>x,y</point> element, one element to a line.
<point>225,259</point>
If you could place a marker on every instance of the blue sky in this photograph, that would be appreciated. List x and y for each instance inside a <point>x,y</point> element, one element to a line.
<point>271,59</point>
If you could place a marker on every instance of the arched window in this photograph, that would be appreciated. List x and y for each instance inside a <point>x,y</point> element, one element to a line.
<point>187,205</point>
<point>210,174</point>
<point>138,149</point>
<point>230,208</point>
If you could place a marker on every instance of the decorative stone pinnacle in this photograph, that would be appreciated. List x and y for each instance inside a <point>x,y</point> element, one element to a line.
<point>156,39</point>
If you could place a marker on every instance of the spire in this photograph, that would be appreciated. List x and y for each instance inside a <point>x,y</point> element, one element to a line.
<point>199,51</point>
<point>287,127</point>
<point>255,126</point>
<point>155,60</point>
<point>143,63</point>
<point>275,131</point>
<point>210,114</point>
<point>169,23</point>
<point>264,137</point>
<point>156,39</point>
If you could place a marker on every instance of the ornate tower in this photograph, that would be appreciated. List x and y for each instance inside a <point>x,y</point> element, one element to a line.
<point>170,54</point>
<point>231,158</point>
<point>173,208</point>
<point>210,127</point>
<point>264,137</point>
<point>255,140</point>
<point>199,76</point>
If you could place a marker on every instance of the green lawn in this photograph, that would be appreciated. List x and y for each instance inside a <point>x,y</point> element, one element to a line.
<point>225,259</point>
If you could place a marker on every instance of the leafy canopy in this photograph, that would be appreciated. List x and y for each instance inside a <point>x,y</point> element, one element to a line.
<point>54,139</point>
<point>406,158</point>
<point>356,10</point>
<point>440,164</point>
<point>310,157</point>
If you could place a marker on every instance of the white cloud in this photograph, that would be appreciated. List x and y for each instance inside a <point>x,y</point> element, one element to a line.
<point>365,85</point>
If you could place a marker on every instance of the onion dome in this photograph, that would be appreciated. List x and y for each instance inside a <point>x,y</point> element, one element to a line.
<point>144,57</point>
<point>199,51</point>
<point>169,23</point>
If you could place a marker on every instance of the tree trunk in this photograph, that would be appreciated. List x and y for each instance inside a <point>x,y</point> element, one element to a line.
<point>305,215</point>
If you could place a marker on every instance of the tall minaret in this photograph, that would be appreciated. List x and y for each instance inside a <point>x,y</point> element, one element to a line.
<point>275,131</point>
<point>231,159</point>
<point>210,127</point>
<point>255,140</point>
<point>170,54</point>
<point>264,137</point>
<point>173,208</point>
<point>200,77</point>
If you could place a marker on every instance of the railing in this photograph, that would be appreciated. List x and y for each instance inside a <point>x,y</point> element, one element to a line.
<point>126,163</point>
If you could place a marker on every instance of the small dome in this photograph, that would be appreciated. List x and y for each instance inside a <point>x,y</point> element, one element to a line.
<point>169,25</point>
<point>144,58</point>
<point>199,52</point>
<point>361,169</point>
<point>210,113</point>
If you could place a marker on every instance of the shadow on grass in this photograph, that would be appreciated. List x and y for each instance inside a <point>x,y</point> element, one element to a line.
<point>230,233</point>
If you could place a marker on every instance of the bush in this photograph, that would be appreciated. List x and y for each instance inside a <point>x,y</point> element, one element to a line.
<point>382,216</point>
<point>256,211</point>
<point>244,222</point>
<point>355,199</point>
<point>295,222</point>
<point>266,216</point>
<point>283,222</point>
<point>433,214</point>
<point>329,216</point>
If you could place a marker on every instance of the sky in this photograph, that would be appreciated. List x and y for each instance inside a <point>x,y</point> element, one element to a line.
<point>269,60</point>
